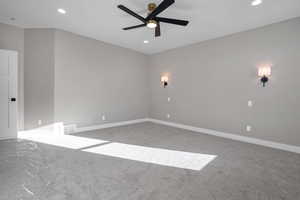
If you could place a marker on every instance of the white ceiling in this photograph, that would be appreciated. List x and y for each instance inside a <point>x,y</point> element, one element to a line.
<point>102,20</point>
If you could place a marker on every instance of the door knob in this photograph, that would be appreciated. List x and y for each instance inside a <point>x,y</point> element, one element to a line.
<point>13,99</point>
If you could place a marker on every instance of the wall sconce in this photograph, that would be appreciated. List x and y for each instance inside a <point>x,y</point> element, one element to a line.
<point>264,73</point>
<point>164,80</point>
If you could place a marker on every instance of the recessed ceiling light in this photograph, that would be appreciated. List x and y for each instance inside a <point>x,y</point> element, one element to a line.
<point>256,2</point>
<point>61,11</point>
<point>146,41</point>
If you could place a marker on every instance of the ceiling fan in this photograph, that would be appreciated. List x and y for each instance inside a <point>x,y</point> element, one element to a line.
<point>152,20</point>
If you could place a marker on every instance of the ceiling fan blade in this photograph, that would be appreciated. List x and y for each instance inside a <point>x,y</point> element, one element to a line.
<point>133,27</point>
<point>172,21</point>
<point>163,6</point>
<point>157,30</point>
<point>130,12</point>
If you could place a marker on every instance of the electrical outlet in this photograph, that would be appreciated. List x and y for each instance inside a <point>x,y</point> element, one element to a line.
<point>168,116</point>
<point>248,128</point>
<point>103,118</point>
<point>40,122</point>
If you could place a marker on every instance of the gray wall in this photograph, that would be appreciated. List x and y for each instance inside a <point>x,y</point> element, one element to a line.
<point>93,78</point>
<point>74,79</point>
<point>212,81</point>
<point>39,77</point>
<point>12,38</point>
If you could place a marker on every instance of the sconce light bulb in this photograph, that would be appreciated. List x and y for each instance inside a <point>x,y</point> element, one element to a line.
<point>264,71</point>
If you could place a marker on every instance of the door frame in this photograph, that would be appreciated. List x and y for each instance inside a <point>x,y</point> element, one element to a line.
<point>13,57</point>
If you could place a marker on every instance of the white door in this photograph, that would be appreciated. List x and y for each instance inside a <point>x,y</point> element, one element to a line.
<point>8,94</point>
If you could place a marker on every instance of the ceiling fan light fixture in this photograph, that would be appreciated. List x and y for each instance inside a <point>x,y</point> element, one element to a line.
<point>151,24</point>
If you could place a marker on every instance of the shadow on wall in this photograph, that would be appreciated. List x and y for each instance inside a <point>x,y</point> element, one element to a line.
<point>159,156</point>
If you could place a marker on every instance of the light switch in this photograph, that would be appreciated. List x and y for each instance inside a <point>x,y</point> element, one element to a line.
<point>169,99</point>
<point>250,103</point>
<point>248,128</point>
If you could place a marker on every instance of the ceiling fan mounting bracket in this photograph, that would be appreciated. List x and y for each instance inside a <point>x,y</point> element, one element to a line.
<point>151,7</point>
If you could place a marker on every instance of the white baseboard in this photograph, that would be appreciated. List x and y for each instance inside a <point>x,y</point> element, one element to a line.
<point>7,138</point>
<point>109,125</point>
<point>266,143</point>
<point>275,145</point>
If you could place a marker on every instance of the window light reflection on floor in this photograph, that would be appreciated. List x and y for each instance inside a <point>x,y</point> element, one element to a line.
<point>56,137</point>
<point>159,156</point>
<point>171,158</point>
<point>66,141</point>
